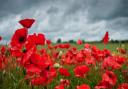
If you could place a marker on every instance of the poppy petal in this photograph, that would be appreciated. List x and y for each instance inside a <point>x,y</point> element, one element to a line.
<point>27,22</point>
<point>106,38</point>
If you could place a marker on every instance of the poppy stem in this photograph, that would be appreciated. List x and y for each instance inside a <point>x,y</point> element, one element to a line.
<point>32,87</point>
<point>45,87</point>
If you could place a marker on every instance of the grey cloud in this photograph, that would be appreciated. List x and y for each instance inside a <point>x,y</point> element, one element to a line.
<point>12,7</point>
<point>52,10</point>
<point>118,24</point>
<point>108,9</point>
<point>99,9</point>
<point>67,19</point>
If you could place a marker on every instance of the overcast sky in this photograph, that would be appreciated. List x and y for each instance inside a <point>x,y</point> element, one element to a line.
<point>66,19</point>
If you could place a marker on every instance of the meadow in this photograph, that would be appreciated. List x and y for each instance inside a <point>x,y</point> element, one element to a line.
<point>31,61</point>
<point>14,79</point>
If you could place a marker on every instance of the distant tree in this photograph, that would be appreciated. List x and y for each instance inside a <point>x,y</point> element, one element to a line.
<point>116,41</point>
<point>59,40</point>
<point>112,41</point>
<point>83,41</point>
<point>71,41</point>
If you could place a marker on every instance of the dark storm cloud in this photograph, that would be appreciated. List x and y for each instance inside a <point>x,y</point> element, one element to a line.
<point>52,10</point>
<point>67,19</point>
<point>108,9</point>
<point>118,24</point>
<point>100,9</point>
<point>12,7</point>
<point>97,9</point>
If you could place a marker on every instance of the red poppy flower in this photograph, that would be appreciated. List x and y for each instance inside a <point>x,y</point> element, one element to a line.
<point>65,82</point>
<point>109,77</point>
<point>40,39</point>
<point>125,74</point>
<point>48,41</point>
<point>64,72</point>
<point>123,86</point>
<point>108,81</point>
<point>19,37</point>
<point>80,57</point>
<point>26,57</point>
<point>120,60</point>
<point>63,46</point>
<point>110,62</point>
<point>16,52</point>
<point>37,60</point>
<point>27,22</point>
<point>122,50</point>
<point>79,42</point>
<point>55,55</point>
<point>35,39</point>
<point>0,64</point>
<point>39,81</point>
<point>106,38</point>
<point>106,52</point>
<point>3,61</point>
<point>81,71</point>
<point>87,46</point>
<point>83,86</point>
<point>59,87</point>
<point>0,38</point>
<point>50,74</point>
<point>3,49</point>
<point>103,85</point>
<point>90,60</point>
<point>32,69</point>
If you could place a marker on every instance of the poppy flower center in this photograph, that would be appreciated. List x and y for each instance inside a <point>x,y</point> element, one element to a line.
<point>48,68</point>
<point>110,76</point>
<point>24,50</point>
<point>21,39</point>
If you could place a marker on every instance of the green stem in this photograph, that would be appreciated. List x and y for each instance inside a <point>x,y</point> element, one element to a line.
<point>32,87</point>
<point>45,87</point>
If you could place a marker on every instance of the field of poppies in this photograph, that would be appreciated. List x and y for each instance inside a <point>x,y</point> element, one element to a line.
<point>31,61</point>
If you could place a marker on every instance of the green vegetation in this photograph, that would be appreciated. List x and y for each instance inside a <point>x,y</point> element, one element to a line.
<point>15,79</point>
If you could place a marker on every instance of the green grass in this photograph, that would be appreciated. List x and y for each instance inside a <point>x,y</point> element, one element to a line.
<point>14,80</point>
<point>110,46</point>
